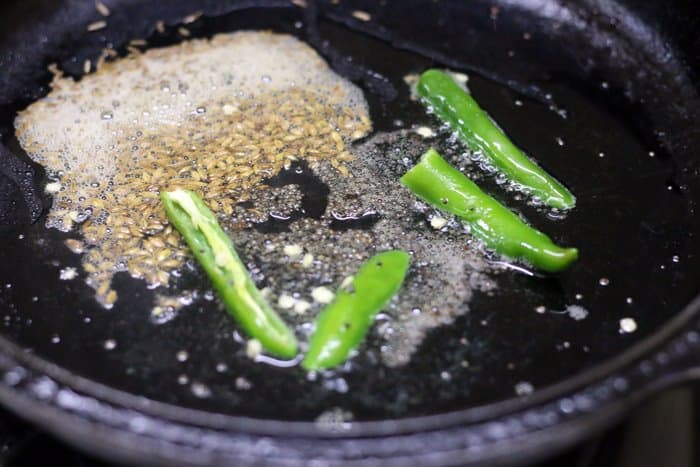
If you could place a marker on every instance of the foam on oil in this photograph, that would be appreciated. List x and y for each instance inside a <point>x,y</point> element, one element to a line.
<point>215,116</point>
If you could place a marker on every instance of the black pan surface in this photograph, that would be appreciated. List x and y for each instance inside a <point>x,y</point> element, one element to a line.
<point>624,147</point>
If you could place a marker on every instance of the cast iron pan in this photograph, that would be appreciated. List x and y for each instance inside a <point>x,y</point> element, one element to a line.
<point>623,73</point>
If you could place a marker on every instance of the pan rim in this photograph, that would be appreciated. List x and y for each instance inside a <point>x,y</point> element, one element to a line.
<point>683,321</point>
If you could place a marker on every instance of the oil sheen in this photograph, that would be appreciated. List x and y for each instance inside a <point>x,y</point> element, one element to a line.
<point>223,117</point>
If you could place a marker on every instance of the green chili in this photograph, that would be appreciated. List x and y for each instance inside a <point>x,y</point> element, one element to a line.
<point>217,256</point>
<point>342,325</point>
<point>436,182</point>
<point>473,125</point>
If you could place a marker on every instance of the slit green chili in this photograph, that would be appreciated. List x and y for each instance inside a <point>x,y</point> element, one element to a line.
<point>455,105</point>
<point>342,325</point>
<point>217,256</point>
<point>436,182</point>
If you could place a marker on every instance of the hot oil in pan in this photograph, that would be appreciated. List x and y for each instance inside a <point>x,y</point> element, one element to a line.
<point>502,345</point>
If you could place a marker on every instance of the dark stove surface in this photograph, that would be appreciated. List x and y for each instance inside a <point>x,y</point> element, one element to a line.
<point>664,432</point>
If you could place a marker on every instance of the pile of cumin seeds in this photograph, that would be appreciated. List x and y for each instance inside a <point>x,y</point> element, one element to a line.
<point>185,116</point>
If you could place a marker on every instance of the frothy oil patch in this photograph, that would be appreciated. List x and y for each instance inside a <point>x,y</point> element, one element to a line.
<point>215,116</point>
<point>447,267</point>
